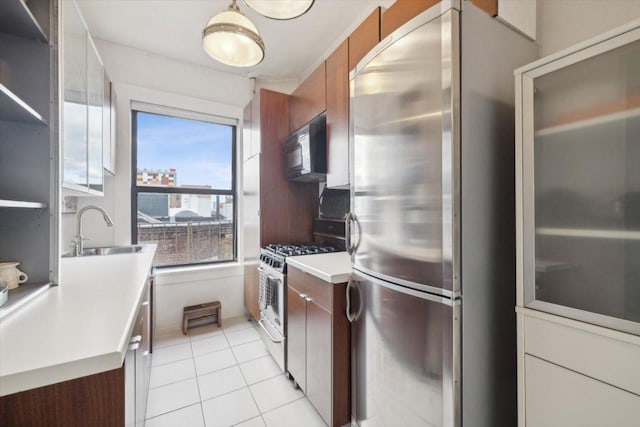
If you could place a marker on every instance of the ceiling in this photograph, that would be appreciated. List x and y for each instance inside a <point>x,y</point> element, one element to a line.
<point>173,28</point>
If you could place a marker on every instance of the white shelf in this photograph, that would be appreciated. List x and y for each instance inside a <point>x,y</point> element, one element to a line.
<point>21,295</point>
<point>14,109</point>
<point>595,121</point>
<point>16,18</point>
<point>21,204</point>
<point>589,233</point>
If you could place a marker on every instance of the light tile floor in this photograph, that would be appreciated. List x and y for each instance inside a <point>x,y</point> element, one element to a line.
<point>218,377</point>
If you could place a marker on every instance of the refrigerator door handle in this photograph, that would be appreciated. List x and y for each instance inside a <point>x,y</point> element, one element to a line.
<point>347,233</point>
<point>360,304</point>
<point>352,219</point>
<point>348,310</point>
<point>353,284</point>
<point>359,232</point>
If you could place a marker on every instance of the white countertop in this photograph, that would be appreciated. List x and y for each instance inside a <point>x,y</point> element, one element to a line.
<point>334,267</point>
<point>79,328</point>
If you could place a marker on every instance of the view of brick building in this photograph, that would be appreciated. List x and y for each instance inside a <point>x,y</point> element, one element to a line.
<point>188,228</point>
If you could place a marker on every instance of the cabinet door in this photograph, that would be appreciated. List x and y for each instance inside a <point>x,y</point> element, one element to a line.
<point>296,336</point>
<point>338,116</point>
<point>309,99</point>
<point>109,127</point>
<point>143,358</point>
<point>252,290</point>
<point>95,97</point>
<point>74,114</point>
<point>556,396</point>
<point>581,185</point>
<point>319,361</point>
<point>364,38</point>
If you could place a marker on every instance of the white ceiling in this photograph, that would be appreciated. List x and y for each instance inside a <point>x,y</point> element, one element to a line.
<point>173,28</point>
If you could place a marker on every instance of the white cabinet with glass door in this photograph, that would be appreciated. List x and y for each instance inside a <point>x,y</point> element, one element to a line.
<point>83,97</point>
<point>578,189</point>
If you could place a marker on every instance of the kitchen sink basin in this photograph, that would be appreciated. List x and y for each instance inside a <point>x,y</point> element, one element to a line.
<point>108,250</point>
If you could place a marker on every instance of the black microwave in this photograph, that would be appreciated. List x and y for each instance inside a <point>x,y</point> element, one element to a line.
<point>306,152</point>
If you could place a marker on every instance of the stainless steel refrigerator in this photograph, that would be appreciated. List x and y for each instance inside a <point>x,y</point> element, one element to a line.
<point>432,295</point>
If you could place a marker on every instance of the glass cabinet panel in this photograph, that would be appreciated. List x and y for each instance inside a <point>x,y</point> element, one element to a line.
<point>95,74</point>
<point>586,183</point>
<point>75,96</point>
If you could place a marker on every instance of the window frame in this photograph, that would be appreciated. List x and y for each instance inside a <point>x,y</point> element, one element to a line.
<point>139,107</point>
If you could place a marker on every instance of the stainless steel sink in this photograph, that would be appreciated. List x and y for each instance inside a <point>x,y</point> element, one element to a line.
<point>108,250</point>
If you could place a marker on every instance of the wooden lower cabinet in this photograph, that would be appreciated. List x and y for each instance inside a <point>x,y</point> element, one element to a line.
<point>96,400</point>
<point>252,290</point>
<point>297,337</point>
<point>318,359</point>
<point>115,398</point>
<point>318,340</point>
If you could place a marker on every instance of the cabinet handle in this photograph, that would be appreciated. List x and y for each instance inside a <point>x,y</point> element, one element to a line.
<point>136,339</point>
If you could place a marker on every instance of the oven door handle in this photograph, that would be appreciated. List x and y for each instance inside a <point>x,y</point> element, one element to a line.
<point>266,331</point>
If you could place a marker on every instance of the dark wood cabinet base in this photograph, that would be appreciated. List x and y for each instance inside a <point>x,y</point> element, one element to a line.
<point>92,401</point>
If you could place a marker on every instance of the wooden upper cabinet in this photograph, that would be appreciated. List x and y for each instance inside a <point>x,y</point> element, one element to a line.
<point>338,116</point>
<point>402,11</point>
<point>489,6</point>
<point>309,99</point>
<point>364,38</point>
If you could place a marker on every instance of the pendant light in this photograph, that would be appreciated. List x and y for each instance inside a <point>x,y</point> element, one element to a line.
<point>280,9</point>
<point>231,38</point>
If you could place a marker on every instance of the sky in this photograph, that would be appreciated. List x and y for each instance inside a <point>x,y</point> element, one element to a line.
<point>200,152</point>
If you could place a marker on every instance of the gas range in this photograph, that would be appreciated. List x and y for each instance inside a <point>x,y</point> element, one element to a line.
<point>274,255</point>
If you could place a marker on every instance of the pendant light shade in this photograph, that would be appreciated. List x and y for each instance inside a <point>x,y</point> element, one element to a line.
<point>280,9</point>
<point>231,38</point>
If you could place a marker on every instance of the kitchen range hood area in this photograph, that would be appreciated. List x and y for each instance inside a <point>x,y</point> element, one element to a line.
<point>363,213</point>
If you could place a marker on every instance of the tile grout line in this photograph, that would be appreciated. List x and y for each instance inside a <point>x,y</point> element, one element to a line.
<point>173,410</point>
<point>193,359</point>
<point>248,386</point>
<point>248,389</point>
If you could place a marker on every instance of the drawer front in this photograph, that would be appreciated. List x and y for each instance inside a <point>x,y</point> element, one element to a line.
<point>318,290</point>
<point>581,349</point>
<point>559,397</point>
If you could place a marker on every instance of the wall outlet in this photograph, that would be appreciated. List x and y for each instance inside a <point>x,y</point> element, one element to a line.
<point>69,205</point>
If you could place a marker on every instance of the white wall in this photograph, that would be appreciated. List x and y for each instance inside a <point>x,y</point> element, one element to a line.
<point>563,23</point>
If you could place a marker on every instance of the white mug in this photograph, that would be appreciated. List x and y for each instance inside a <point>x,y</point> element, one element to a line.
<point>9,273</point>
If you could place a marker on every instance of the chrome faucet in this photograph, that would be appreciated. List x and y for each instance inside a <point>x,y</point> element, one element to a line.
<point>79,239</point>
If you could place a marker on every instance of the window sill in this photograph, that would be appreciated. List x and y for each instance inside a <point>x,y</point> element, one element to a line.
<point>181,275</point>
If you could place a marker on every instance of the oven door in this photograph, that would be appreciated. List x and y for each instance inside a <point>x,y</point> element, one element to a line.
<point>272,313</point>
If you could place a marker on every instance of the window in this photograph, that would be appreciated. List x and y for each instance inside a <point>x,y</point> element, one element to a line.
<point>184,187</point>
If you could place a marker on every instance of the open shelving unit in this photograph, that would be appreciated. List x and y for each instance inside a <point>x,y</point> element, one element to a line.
<point>21,204</point>
<point>16,18</point>
<point>13,108</point>
<point>28,147</point>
